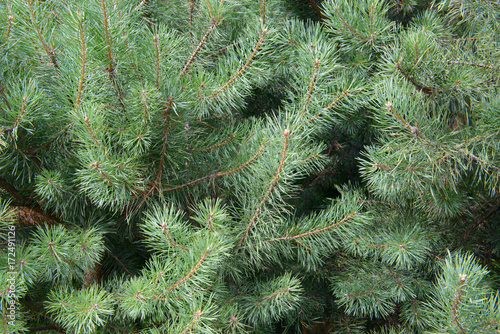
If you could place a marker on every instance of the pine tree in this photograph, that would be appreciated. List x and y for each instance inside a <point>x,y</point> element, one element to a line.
<point>232,166</point>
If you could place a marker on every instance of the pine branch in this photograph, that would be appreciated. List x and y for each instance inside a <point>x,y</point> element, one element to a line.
<point>169,238</point>
<point>459,62</point>
<point>94,138</point>
<point>196,318</point>
<point>390,168</point>
<point>166,113</point>
<point>107,36</point>
<point>223,49</point>
<point>4,184</point>
<point>311,87</point>
<point>263,11</point>
<point>319,230</point>
<point>473,156</point>
<point>21,113</point>
<point>45,47</point>
<point>200,45</point>
<point>191,10</point>
<point>456,303</point>
<point>377,246</point>
<point>9,25</point>
<point>272,296</point>
<point>206,149</point>
<point>119,262</point>
<point>140,4</point>
<point>273,184</point>
<point>97,166</point>
<point>82,50</point>
<point>427,90</point>
<point>32,158</point>
<point>33,214</point>
<point>334,102</point>
<point>32,152</point>
<point>216,174</point>
<point>192,271</point>
<point>413,129</point>
<point>144,107</point>
<point>242,69</point>
<point>360,294</point>
<point>111,62</point>
<point>351,29</point>
<point>317,9</point>
<point>157,62</point>
<point>45,328</point>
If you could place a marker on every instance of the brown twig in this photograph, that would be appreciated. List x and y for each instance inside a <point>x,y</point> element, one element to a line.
<point>82,72</point>
<point>192,271</point>
<point>317,9</point>
<point>413,129</point>
<point>21,113</point>
<point>427,90</point>
<point>319,230</point>
<point>45,46</point>
<point>273,184</point>
<point>459,62</point>
<point>92,135</point>
<point>242,69</point>
<point>197,316</point>
<point>119,262</point>
<point>195,52</point>
<point>215,146</point>
<point>274,295</point>
<point>157,62</point>
<point>4,184</point>
<point>9,18</point>
<point>216,174</point>
<point>108,37</point>
<point>456,303</point>
<point>263,11</point>
<point>311,87</point>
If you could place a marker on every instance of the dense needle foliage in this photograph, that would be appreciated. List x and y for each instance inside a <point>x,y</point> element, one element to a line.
<point>237,166</point>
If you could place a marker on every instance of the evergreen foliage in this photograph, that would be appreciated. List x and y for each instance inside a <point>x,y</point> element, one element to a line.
<point>233,166</point>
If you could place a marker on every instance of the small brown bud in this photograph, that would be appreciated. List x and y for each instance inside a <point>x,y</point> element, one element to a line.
<point>286,132</point>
